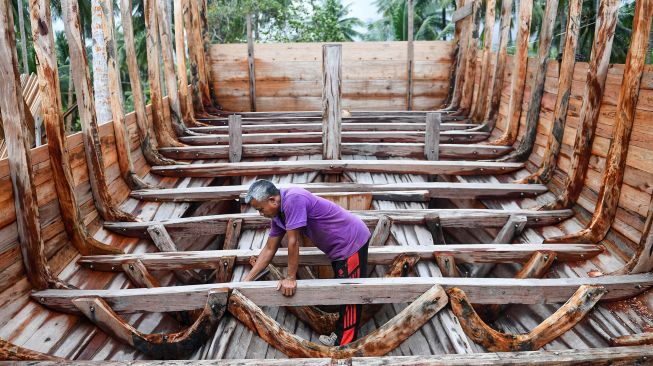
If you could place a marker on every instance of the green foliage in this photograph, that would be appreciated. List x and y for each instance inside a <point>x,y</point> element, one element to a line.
<point>431,20</point>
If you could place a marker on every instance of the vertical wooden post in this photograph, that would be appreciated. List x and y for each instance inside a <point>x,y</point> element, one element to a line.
<point>206,42</point>
<point>44,47</point>
<point>410,57</point>
<point>432,136</point>
<point>196,50</point>
<point>250,65</point>
<point>642,260</point>
<point>615,165</point>
<point>23,37</point>
<point>149,144</point>
<point>518,76</point>
<point>470,58</point>
<point>20,163</point>
<point>589,111</point>
<point>331,93</point>
<point>537,86</point>
<point>100,65</point>
<point>109,49</point>
<point>92,144</point>
<point>235,138</point>
<point>196,97</point>
<point>185,102</point>
<point>458,66</point>
<point>482,99</point>
<point>544,173</point>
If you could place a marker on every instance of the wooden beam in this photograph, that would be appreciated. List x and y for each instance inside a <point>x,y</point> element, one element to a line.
<point>185,100</point>
<point>196,54</point>
<point>12,352</point>
<point>615,165</point>
<point>331,101</point>
<point>525,147</point>
<point>488,37</point>
<point>164,243</point>
<point>642,259</point>
<point>351,291</point>
<point>379,254</point>
<point>639,339</point>
<point>470,58</point>
<point>232,234</point>
<point>336,166</point>
<point>447,265</point>
<point>165,346</point>
<point>457,70</point>
<point>518,75</point>
<point>381,233</point>
<point>60,163</point>
<point>513,227</point>
<point>92,145</point>
<point>554,143</point>
<point>250,64</point>
<point>288,127</point>
<point>139,275</point>
<point>432,137</point>
<point>196,96</point>
<point>235,138</point>
<point>381,341</point>
<point>565,318</point>
<point>589,112</point>
<point>12,118</point>
<point>410,54</point>
<point>148,142</point>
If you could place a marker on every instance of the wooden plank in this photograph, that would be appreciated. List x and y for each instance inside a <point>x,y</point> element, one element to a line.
<point>432,137</point>
<point>462,13</point>
<point>352,291</point>
<point>216,224</point>
<point>496,86</point>
<point>378,254</point>
<point>250,64</point>
<point>235,139</point>
<point>336,166</point>
<point>410,55</point>
<point>488,38</point>
<point>331,101</point>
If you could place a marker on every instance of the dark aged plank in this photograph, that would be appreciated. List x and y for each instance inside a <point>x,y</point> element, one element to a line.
<point>216,224</point>
<point>337,166</point>
<point>352,291</point>
<point>295,130</point>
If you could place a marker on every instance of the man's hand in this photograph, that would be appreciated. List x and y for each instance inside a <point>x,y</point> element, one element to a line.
<point>287,286</point>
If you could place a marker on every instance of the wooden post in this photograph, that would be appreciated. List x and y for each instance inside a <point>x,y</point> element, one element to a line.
<point>206,42</point>
<point>513,227</point>
<point>432,136</point>
<point>544,173</point>
<point>44,47</point>
<point>92,144</point>
<point>642,260</point>
<point>20,163</point>
<point>109,50</point>
<point>235,138</point>
<point>250,65</point>
<point>185,101</point>
<point>149,144</point>
<point>196,97</point>
<point>589,112</point>
<point>482,100</point>
<point>457,70</point>
<point>518,76</point>
<point>615,165</point>
<point>410,56</point>
<point>537,86</point>
<point>196,52</point>
<point>470,58</point>
<point>331,93</point>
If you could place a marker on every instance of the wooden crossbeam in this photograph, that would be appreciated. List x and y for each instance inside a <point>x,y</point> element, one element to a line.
<point>381,149</point>
<point>434,189</point>
<point>352,291</point>
<point>209,170</point>
<point>216,224</point>
<point>381,255</point>
<point>318,114</point>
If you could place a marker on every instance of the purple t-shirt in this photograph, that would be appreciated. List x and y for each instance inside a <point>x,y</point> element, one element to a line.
<point>334,230</point>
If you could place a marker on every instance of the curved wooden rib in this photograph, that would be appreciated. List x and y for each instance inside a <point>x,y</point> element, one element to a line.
<point>206,42</point>
<point>615,165</point>
<point>545,172</point>
<point>12,352</point>
<point>638,339</point>
<point>148,143</point>
<point>41,20</point>
<point>453,96</point>
<point>488,37</point>
<point>164,243</point>
<point>378,343</point>
<point>470,60</point>
<point>92,145</point>
<point>196,55</point>
<point>551,328</point>
<point>164,346</point>
<point>642,260</point>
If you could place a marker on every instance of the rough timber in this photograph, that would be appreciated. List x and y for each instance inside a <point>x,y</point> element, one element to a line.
<point>424,189</point>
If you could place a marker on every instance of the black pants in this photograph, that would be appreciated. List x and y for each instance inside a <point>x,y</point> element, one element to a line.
<point>350,315</point>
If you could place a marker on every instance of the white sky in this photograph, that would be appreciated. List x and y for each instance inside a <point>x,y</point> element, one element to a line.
<point>363,9</point>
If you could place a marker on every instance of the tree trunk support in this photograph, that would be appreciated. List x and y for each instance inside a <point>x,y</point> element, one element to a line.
<point>250,65</point>
<point>331,101</point>
<point>410,55</point>
<point>196,54</point>
<point>470,59</point>
<point>457,70</point>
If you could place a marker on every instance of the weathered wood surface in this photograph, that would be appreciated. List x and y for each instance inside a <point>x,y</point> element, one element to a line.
<point>470,59</point>
<point>383,340</point>
<point>432,137</point>
<point>638,339</point>
<point>435,190</point>
<point>186,103</point>
<point>554,141</point>
<point>139,275</point>
<point>331,101</point>
<point>60,162</point>
<point>12,116</point>
<point>520,68</point>
<point>235,139</point>
<point>642,259</point>
<point>163,346</point>
<point>457,68</point>
<point>513,227</point>
<point>92,146</point>
<point>12,352</point>
<point>525,147</point>
<point>410,53</point>
<point>488,37</point>
<point>148,142</point>
<point>352,291</point>
<point>251,71</point>
<point>378,254</point>
<point>589,113</point>
<point>164,243</point>
<point>337,166</point>
<point>198,66</point>
<point>462,12</point>
<point>494,94</point>
<point>615,165</point>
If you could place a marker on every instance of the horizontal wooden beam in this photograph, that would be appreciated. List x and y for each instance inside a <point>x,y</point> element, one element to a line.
<point>292,131</point>
<point>380,149</point>
<point>462,253</point>
<point>468,218</point>
<point>210,170</point>
<point>318,114</point>
<point>352,291</point>
<point>434,190</point>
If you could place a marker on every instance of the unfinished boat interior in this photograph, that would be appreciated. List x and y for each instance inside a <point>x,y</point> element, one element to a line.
<point>510,198</point>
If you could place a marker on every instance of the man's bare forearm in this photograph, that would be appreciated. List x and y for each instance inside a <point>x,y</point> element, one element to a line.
<point>264,257</point>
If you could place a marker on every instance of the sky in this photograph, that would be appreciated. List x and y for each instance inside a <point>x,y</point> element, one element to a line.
<point>363,10</point>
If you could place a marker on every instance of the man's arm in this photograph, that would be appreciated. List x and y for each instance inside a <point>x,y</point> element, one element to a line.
<point>265,257</point>
<point>288,285</point>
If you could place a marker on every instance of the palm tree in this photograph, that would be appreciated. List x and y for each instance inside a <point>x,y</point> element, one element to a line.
<point>430,20</point>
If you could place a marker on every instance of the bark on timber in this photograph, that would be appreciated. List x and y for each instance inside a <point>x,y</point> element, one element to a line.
<point>458,66</point>
<point>185,101</point>
<point>196,96</point>
<point>196,53</point>
<point>470,59</point>
<point>206,42</point>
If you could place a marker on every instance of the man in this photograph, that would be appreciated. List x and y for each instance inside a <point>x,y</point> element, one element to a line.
<point>342,236</point>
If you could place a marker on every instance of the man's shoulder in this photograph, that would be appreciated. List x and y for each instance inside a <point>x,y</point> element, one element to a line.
<point>295,192</point>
